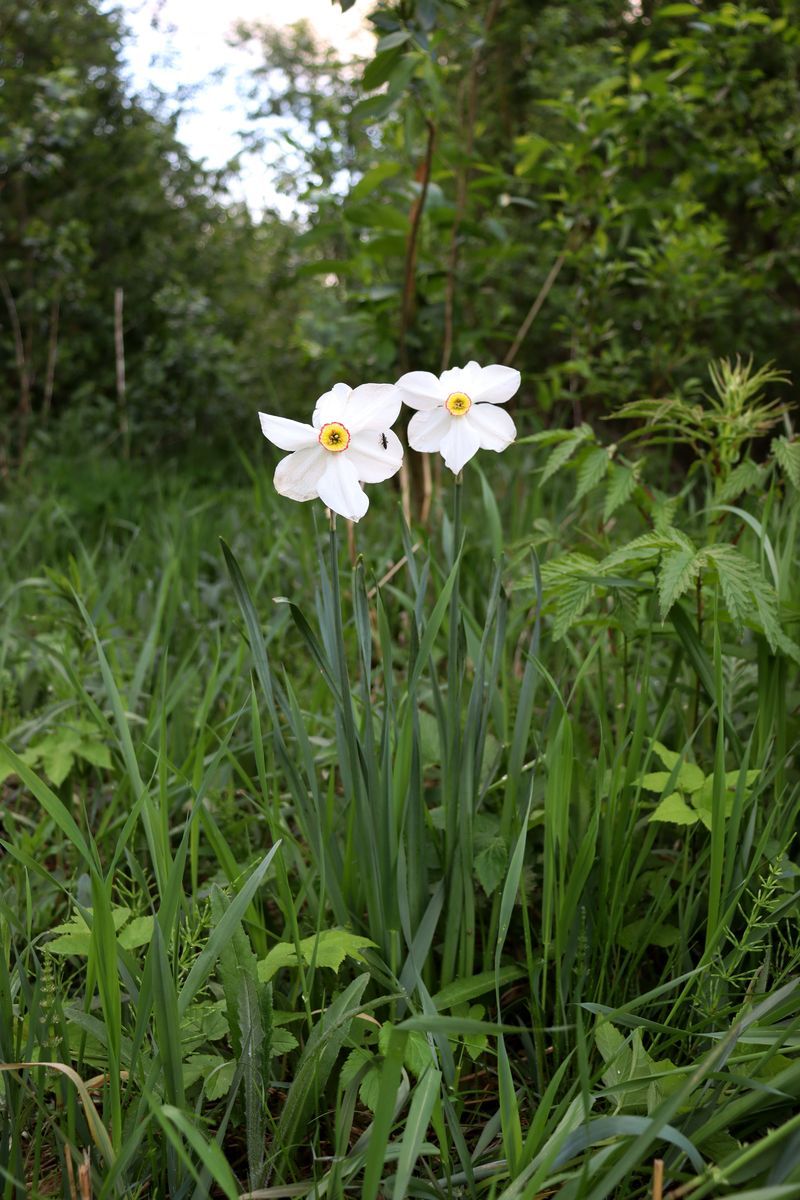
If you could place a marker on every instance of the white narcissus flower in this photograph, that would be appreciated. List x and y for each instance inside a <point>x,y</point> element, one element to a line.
<point>349,442</point>
<point>458,412</point>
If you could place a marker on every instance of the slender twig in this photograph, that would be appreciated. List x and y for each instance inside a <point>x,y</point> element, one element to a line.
<point>119,354</point>
<point>462,187</point>
<point>401,562</point>
<point>20,359</point>
<point>409,282</point>
<point>533,311</point>
<point>658,1178</point>
<point>409,295</point>
<point>52,355</point>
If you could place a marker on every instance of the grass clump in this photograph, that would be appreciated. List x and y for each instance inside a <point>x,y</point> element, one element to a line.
<point>461,863</point>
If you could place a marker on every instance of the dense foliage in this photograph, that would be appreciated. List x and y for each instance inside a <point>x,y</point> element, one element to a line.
<point>452,853</point>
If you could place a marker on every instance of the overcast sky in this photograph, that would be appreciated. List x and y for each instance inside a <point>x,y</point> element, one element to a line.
<point>183,42</point>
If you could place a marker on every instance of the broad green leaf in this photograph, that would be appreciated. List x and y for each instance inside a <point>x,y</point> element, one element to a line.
<point>330,949</point>
<point>369,1087</point>
<point>490,865</point>
<point>137,933</point>
<point>656,782</point>
<point>75,935</point>
<point>674,809</point>
<point>644,933</point>
<point>373,178</point>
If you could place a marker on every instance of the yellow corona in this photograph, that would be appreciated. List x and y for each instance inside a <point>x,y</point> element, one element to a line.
<point>334,437</point>
<point>458,404</point>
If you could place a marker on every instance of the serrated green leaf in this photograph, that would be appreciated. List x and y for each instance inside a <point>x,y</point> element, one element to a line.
<point>743,478</point>
<point>137,933</point>
<point>621,486</point>
<point>656,781</point>
<point>417,1053</point>
<point>96,753</point>
<point>219,1080</point>
<point>490,865</point>
<point>675,810</point>
<point>475,1044</point>
<point>75,935</point>
<point>370,1086</point>
<point>283,1042</point>
<point>690,777</point>
<point>592,469</point>
<point>678,570</point>
<point>788,456</point>
<point>330,949</point>
<point>668,757</point>
<point>564,452</point>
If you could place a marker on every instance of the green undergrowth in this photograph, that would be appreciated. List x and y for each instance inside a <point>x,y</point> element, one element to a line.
<point>455,860</point>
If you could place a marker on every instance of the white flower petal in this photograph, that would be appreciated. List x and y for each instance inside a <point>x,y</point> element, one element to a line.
<point>426,430</point>
<point>286,434</point>
<point>459,444</point>
<point>461,379</point>
<point>421,389</point>
<point>372,406</point>
<point>372,461</point>
<point>495,385</point>
<point>340,490</point>
<point>298,475</point>
<point>331,405</point>
<point>493,426</point>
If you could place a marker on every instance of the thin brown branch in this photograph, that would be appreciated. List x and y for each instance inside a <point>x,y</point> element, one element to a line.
<point>462,188</point>
<point>52,355</point>
<point>535,308</point>
<point>409,281</point>
<point>119,356</point>
<point>20,358</point>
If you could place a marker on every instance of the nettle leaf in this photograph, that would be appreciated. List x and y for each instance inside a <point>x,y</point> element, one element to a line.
<point>572,593</point>
<point>592,469</point>
<point>744,478</point>
<point>330,949</point>
<point>490,865</point>
<point>621,486</point>
<point>564,451</point>
<point>626,608</point>
<point>678,571</point>
<point>675,810</point>
<point>643,552</point>
<point>788,456</point>
<point>746,593</point>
